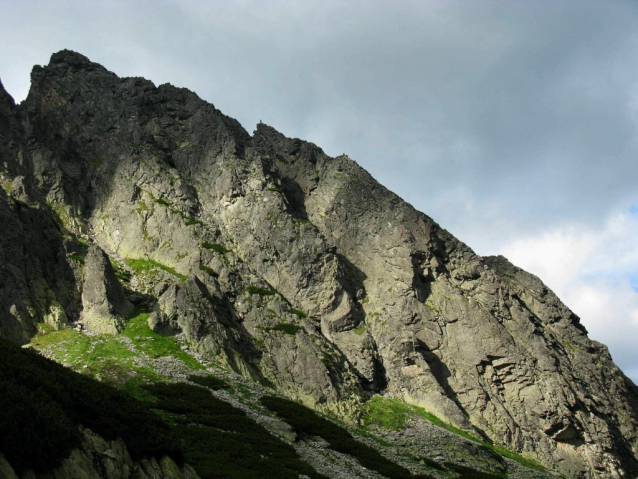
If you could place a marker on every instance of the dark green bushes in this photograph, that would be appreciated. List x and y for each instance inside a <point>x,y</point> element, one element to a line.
<point>210,382</point>
<point>43,404</point>
<point>34,431</point>
<point>208,270</point>
<point>286,328</point>
<point>259,291</point>
<point>220,441</point>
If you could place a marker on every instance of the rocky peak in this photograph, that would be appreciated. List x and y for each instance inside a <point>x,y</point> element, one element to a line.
<point>292,268</point>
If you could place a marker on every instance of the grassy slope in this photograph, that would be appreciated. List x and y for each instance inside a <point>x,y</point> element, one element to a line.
<point>128,361</point>
<point>209,433</point>
<point>43,403</point>
<point>115,358</point>
<point>392,414</point>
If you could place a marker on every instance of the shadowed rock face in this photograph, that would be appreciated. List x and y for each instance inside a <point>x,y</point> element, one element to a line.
<point>101,459</point>
<point>302,270</point>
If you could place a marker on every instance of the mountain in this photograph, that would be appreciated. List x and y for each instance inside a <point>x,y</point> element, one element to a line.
<point>267,257</point>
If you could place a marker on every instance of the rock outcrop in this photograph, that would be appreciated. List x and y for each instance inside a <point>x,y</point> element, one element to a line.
<point>291,267</point>
<point>105,307</point>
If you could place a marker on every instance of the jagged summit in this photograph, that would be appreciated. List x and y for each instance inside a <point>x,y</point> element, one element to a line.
<point>292,268</point>
<point>74,59</point>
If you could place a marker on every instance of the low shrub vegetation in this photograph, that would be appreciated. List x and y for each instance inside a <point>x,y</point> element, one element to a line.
<point>142,266</point>
<point>297,312</point>
<point>392,414</point>
<point>191,222</point>
<point>208,270</point>
<point>259,291</point>
<point>220,441</point>
<point>286,328</point>
<point>43,403</point>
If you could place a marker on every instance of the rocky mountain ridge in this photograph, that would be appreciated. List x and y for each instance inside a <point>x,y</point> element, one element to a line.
<point>290,267</point>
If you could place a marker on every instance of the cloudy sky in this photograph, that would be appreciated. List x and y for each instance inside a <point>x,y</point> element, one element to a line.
<point>514,124</point>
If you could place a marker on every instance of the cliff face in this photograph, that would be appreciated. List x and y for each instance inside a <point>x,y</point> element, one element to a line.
<point>289,266</point>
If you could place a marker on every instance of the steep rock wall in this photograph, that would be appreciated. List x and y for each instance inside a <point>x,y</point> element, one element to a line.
<point>301,269</point>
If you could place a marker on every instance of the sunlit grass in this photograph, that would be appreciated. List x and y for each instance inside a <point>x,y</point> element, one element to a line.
<point>143,266</point>
<point>116,358</point>
<point>391,414</point>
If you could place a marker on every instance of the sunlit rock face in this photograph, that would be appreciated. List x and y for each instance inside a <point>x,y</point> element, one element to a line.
<point>291,267</point>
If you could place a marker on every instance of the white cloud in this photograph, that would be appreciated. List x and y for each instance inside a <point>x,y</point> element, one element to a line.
<point>592,271</point>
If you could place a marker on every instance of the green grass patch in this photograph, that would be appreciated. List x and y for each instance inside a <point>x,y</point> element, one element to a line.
<point>286,328</point>
<point>143,266</point>
<point>360,330</point>
<point>79,248</point>
<point>110,357</point>
<point>216,247</point>
<point>191,221</point>
<point>517,457</point>
<point>142,206</point>
<point>297,312</point>
<point>162,201</point>
<point>122,274</point>
<point>155,345</point>
<point>73,344</point>
<point>77,258</point>
<point>209,270</point>
<point>103,356</point>
<point>392,414</point>
<point>259,291</point>
<point>385,412</point>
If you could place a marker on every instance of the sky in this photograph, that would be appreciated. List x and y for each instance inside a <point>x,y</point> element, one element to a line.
<point>513,124</point>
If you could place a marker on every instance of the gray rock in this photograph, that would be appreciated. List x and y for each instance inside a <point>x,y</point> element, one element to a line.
<point>290,267</point>
<point>105,306</point>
